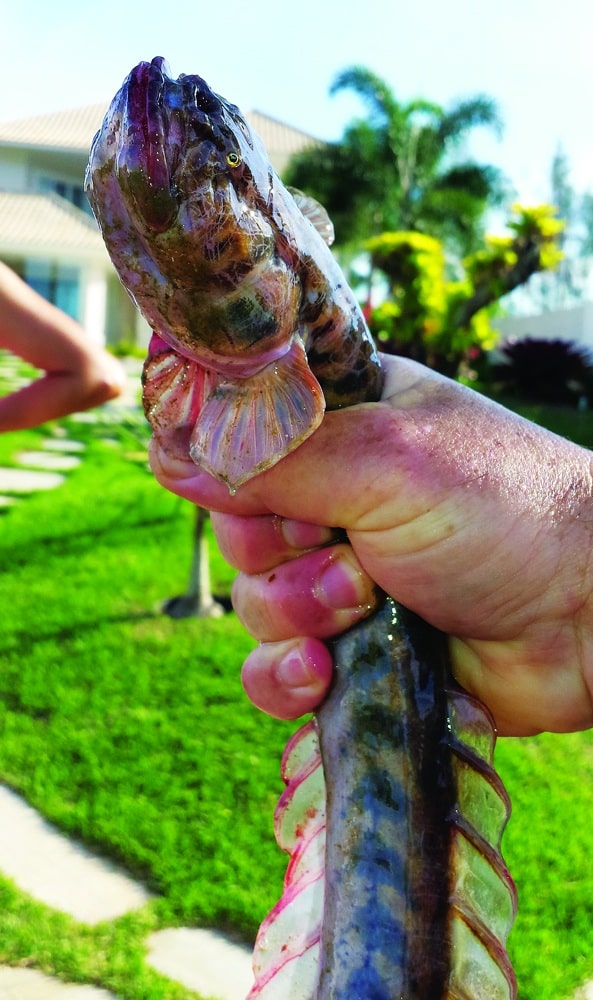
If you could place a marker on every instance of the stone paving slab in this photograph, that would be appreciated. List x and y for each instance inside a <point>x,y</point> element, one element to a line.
<point>62,444</point>
<point>28,480</point>
<point>27,984</point>
<point>585,992</point>
<point>85,417</point>
<point>203,961</point>
<point>47,460</point>
<point>58,871</point>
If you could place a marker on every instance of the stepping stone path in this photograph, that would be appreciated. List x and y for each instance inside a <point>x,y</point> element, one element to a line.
<point>65,875</point>
<point>203,961</point>
<point>27,481</point>
<point>59,872</point>
<point>48,460</point>
<point>26,984</point>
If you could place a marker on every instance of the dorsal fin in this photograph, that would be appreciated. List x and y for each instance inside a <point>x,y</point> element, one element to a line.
<point>315,213</point>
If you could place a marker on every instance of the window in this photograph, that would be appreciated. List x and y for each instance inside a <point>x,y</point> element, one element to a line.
<point>57,282</point>
<point>74,193</point>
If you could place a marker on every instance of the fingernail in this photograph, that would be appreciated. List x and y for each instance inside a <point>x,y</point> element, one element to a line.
<point>339,585</point>
<point>295,671</point>
<point>301,535</point>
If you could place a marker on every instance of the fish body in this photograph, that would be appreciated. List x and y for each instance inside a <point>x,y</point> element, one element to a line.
<point>396,888</point>
<point>392,813</point>
<point>257,328</point>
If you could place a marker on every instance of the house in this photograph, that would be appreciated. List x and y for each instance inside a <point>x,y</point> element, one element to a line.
<point>47,230</point>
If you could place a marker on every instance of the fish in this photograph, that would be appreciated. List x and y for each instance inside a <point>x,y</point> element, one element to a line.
<point>257,329</point>
<point>392,812</point>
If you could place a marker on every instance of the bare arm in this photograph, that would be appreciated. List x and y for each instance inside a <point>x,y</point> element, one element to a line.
<point>78,374</point>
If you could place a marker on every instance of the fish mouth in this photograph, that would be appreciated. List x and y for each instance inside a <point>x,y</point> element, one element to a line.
<point>164,124</point>
<point>143,159</point>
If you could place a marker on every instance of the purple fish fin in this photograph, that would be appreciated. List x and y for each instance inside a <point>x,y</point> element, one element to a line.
<point>315,213</point>
<point>247,425</point>
<point>483,899</point>
<point>286,953</point>
<point>174,390</point>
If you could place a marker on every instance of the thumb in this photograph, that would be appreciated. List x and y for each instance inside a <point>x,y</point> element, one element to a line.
<point>326,480</point>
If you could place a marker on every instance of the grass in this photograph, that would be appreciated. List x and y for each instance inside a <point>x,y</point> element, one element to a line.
<point>131,731</point>
<point>548,848</point>
<point>110,955</point>
<point>124,727</point>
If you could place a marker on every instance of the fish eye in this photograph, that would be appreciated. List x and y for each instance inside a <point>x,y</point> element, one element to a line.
<point>233,159</point>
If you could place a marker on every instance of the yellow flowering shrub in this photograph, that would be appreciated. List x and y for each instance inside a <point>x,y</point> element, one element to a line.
<point>444,322</point>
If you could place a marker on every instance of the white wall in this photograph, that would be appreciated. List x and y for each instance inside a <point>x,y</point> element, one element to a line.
<point>575,325</point>
<point>14,171</point>
<point>94,302</point>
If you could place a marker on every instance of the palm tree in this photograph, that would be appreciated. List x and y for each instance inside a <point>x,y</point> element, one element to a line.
<point>400,168</point>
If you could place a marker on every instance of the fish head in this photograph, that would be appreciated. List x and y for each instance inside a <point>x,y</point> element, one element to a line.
<point>181,145</point>
<point>179,186</point>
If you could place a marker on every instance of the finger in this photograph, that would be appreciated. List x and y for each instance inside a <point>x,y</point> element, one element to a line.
<point>256,544</point>
<point>288,679</point>
<point>320,594</point>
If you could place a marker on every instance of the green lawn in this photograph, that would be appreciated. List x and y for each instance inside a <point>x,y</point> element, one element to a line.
<point>132,732</point>
<point>124,727</point>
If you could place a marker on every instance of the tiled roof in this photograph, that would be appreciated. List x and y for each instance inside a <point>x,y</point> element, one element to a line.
<point>73,130</point>
<point>45,223</point>
<point>278,138</point>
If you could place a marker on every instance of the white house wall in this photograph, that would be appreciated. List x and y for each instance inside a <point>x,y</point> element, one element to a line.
<point>14,172</point>
<point>574,325</point>
<point>93,295</point>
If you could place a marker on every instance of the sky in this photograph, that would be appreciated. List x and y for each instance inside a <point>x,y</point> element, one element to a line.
<point>534,57</point>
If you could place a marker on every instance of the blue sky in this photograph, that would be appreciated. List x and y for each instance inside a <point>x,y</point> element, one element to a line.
<point>535,57</point>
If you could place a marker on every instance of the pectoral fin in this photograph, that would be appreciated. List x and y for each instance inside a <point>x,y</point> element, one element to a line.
<point>247,425</point>
<point>174,390</point>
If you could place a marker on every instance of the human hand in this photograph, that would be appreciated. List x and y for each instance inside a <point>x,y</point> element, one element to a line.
<point>475,519</point>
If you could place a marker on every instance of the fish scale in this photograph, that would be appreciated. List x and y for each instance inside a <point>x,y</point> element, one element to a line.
<point>392,813</point>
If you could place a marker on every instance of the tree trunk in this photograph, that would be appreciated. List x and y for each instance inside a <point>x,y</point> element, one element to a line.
<point>197,601</point>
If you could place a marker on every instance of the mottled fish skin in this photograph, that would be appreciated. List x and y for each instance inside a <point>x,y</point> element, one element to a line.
<point>418,902</point>
<point>383,732</point>
<point>225,268</point>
